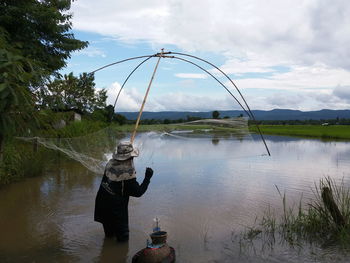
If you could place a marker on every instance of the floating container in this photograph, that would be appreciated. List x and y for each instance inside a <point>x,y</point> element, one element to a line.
<point>156,252</point>
<point>159,237</point>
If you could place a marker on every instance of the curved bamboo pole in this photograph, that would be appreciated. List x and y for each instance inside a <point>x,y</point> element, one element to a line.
<point>163,54</point>
<point>132,72</point>
<point>145,98</point>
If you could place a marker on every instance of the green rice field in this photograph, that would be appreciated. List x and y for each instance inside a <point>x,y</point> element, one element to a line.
<point>341,132</point>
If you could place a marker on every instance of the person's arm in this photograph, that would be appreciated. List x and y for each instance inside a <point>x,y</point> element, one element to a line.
<point>136,190</point>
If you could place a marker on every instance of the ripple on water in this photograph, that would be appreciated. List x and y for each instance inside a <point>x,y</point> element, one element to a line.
<point>202,191</point>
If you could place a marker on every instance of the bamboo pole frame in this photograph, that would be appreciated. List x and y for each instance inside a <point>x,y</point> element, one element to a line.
<point>145,98</point>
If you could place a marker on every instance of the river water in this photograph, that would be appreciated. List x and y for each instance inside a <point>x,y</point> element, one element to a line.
<point>205,191</point>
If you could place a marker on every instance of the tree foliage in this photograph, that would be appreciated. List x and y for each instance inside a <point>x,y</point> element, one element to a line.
<point>104,115</point>
<point>41,32</point>
<point>120,119</point>
<point>35,41</point>
<point>215,114</point>
<point>109,113</point>
<point>72,93</point>
<point>16,102</point>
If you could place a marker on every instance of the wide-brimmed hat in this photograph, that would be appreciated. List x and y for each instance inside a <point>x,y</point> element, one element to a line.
<point>125,151</point>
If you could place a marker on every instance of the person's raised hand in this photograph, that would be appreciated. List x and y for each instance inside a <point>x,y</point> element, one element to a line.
<point>149,172</point>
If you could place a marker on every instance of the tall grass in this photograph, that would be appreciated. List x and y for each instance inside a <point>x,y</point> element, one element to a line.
<point>74,129</point>
<point>309,222</point>
<point>20,161</point>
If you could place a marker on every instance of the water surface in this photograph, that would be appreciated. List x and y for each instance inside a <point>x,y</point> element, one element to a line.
<point>204,190</point>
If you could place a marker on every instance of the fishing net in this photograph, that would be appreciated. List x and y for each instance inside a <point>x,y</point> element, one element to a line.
<point>92,150</point>
<point>95,149</point>
<point>234,127</point>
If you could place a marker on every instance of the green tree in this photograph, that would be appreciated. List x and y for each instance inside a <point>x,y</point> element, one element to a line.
<point>215,114</point>
<point>120,119</point>
<point>109,112</point>
<point>16,102</point>
<point>105,115</point>
<point>41,31</point>
<point>72,93</point>
<point>35,41</point>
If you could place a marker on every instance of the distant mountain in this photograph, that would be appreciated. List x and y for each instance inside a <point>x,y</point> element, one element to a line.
<point>277,114</point>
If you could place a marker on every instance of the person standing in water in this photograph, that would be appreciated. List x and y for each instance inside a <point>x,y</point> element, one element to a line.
<point>118,183</point>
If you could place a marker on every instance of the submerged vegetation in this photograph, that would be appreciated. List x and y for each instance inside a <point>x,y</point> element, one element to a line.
<point>312,223</point>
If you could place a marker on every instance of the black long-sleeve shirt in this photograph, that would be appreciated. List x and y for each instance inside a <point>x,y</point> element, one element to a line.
<point>113,198</point>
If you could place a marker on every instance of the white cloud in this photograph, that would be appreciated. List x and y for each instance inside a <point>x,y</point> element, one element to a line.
<point>310,38</point>
<point>342,92</point>
<point>239,66</point>
<point>281,100</point>
<point>300,78</point>
<point>303,88</point>
<point>191,75</point>
<point>304,32</point>
<point>188,102</point>
<point>92,52</point>
<point>131,100</point>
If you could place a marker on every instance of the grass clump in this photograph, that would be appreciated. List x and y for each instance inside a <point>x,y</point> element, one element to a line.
<point>312,222</point>
<point>20,161</point>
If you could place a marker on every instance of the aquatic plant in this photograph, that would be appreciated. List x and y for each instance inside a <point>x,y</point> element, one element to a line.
<point>311,222</point>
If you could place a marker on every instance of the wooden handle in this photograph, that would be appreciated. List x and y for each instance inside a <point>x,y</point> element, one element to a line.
<point>144,100</point>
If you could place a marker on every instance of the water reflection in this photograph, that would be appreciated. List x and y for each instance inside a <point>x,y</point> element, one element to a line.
<point>215,140</point>
<point>203,190</point>
<point>113,252</point>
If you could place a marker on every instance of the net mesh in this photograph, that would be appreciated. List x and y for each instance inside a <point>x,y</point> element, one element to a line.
<point>95,149</point>
<point>92,150</point>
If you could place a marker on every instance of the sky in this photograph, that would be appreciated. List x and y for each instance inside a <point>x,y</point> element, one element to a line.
<point>280,54</point>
